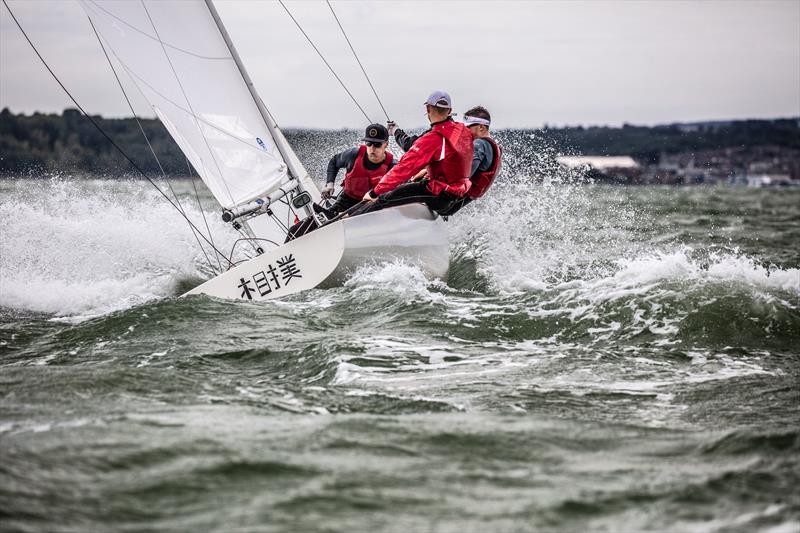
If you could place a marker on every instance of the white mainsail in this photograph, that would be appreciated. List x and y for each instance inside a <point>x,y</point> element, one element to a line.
<point>178,57</point>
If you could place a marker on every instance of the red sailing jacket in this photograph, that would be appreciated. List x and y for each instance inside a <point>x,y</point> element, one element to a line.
<point>447,152</point>
<point>360,179</point>
<point>481,181</point>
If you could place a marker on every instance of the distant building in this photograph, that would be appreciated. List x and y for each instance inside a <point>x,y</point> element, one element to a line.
<point>615,169</point>
<point>771,180</point>
<point>599,162</point>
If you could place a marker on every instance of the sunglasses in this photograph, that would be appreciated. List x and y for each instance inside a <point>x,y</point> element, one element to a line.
<point>376,144</point>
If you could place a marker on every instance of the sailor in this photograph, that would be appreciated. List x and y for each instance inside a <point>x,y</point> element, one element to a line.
<point>445,150</point>
<point>486,159</point>
<point>365,165</point>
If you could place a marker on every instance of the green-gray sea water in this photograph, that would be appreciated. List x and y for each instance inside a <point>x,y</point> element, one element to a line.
<point>600,359</point>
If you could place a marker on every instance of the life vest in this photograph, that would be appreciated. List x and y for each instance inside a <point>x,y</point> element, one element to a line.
<point>482,180</point>
<point>451,174</point>
<point>360,180</point>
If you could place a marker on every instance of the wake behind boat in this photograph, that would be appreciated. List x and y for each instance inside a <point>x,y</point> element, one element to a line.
<point>182,60</point>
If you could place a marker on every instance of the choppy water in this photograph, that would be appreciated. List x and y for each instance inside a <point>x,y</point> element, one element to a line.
<point>600,358</point>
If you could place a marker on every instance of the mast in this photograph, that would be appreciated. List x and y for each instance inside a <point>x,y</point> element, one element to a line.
<point>271,126</point>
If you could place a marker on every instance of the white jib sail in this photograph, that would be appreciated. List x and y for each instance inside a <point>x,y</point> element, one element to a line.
<point>177,56</point>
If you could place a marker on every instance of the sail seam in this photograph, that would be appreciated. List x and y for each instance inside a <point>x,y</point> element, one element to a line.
<point>177,48</point>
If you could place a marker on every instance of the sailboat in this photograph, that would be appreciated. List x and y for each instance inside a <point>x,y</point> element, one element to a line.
<point>182,60</point>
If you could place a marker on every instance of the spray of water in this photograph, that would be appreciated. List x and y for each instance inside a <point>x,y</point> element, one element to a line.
<point>76,246</point>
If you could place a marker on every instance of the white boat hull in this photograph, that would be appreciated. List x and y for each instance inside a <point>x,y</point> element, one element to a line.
<point>328,256</point>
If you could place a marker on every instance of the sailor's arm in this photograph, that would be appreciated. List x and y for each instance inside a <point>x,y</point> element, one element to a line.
<point>341,160</point>
<point>421,154</point>
<point>403,139</point>
<point>482,156</point>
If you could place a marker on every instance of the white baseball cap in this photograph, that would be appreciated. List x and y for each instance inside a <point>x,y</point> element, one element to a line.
<point>439,99</point>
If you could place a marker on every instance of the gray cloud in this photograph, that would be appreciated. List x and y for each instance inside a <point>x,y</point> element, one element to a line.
<point>529,62</point>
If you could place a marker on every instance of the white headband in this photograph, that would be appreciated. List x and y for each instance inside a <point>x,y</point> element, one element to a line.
<point>471,121</point>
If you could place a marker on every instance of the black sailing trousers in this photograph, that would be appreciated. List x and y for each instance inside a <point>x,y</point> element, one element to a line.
<point>343,202</point>
<point>407,193</point>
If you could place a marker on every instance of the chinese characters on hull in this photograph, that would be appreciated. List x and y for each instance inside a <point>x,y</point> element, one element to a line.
<point>270,279</point>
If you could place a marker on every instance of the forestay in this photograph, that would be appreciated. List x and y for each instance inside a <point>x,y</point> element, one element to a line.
<point>177,56</point>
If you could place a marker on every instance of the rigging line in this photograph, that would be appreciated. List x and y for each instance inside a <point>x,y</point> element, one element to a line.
<point>289,212</point>
<point>186,97</point>
<point>248,234</point>
<point>200,207</point>
<point>147,140</point>
<point>134,28</point>
<point>277,220</point>
<point>236,243</point>
<point>252,240</point>
<point>325,61</point>
<point>358,60</point>
<point>97,126</point>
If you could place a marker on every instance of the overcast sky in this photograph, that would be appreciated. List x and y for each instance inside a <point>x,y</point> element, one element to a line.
<point>530,63</point>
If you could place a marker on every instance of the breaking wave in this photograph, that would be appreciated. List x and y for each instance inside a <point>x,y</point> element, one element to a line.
<point>90,247</point>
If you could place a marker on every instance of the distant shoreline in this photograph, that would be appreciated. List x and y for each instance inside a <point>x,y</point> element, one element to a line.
<point>673,153</point>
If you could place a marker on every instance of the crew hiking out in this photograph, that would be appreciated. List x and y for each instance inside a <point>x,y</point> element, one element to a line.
<point>445,151</point>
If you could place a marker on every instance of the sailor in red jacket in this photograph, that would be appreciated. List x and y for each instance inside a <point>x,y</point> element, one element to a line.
<point>486,159</point>
<point>365,166</point>
<point>446,152</point>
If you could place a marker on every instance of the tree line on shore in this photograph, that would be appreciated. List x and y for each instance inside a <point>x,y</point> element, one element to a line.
<point>42,143</point>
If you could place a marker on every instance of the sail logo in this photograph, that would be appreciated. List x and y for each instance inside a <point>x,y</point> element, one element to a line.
<point>261,143</point>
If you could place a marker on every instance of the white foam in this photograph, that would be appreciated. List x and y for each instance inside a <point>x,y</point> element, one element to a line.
<point>646,275</point>
<point>719,266</point>
<point>88,247</point>
<point>556,236</point>
<point>525,235</point>
<point>397,278</point>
